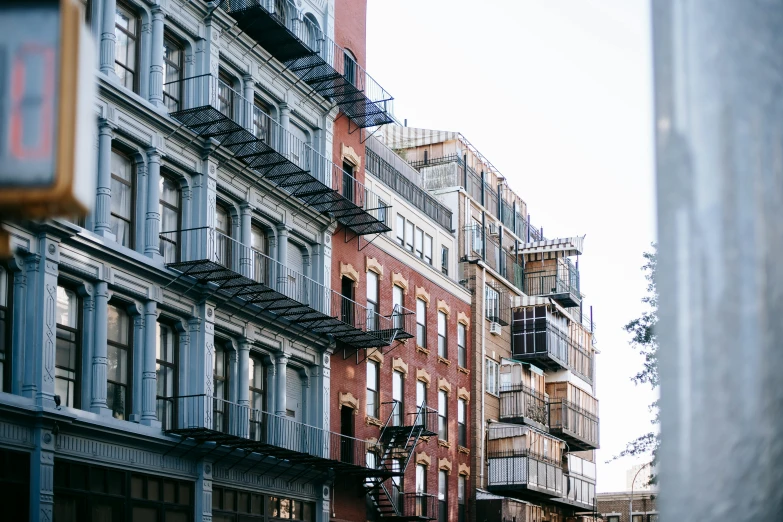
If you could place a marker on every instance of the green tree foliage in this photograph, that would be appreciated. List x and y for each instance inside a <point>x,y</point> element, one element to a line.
<point>644,340</point>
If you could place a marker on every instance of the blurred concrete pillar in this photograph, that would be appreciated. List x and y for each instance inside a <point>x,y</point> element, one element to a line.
<point>719,138</point>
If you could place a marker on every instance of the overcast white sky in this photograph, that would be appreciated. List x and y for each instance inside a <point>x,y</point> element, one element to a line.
<point>557,94</point>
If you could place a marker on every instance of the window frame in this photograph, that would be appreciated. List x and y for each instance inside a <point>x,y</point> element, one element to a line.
<point>491,303</point>
<point>409,232</point>
<point>372,409</point>
<point>428,247</point>
<point>226,81</point>
<point>418,242</point>
<point>399,318</point>
<point>400,230</point>
<point>128,348</point>
<point>373,301</point>
<point>462,345</point>
<point>172,365</point>
<point>462,425</point>
<point>6,319</point>
<point>135,38</point>
<point>131,184</point>
<point>492,370</point>
<point>443,344</point>
<point>443,496</point>
<point>421,322</point>
<point>76,331</point>
<point>443,415</point>
<point>444,260</point>
<point>164,205</point>
<point>398,378</point>
<point>461,510</point>
<point>169,40</point>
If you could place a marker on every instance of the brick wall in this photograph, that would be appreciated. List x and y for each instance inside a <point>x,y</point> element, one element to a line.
<point>644,503</point>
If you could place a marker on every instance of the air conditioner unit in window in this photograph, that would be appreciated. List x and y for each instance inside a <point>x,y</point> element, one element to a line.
<point>494,229</point>
<point>494,328</point>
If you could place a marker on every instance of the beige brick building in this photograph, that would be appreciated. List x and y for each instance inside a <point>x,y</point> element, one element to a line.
<point>535,407</point>
<point>613,507</point>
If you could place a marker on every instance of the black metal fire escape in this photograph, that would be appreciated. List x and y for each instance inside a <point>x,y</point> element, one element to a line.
<point>396,443</point>
<point>303,48</point>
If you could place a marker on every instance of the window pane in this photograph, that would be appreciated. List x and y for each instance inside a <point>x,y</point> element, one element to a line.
<point>428,248</point>
<point>372,287</point>
<point>117,369</point>
<point>118,325</point>
<point>66,307</point>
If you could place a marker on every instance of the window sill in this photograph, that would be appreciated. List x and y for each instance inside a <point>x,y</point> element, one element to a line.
<point>444,361</point>
<point>463,449</point>
<point>463,370</point>
<point>372,421</point>
<point>444,443</point>
<point>422,350</point>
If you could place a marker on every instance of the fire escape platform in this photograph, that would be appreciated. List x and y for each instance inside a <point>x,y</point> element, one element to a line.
<point>315,63</point>
<point>272,165</point>
<point>230,284</point>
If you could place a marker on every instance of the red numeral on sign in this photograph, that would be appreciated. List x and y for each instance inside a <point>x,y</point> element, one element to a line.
<point>43,148</point>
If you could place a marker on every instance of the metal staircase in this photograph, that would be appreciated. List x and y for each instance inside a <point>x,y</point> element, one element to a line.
<point>396,444</point>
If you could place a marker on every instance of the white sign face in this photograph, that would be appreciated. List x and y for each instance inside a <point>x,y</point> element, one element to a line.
<point>29,73</point>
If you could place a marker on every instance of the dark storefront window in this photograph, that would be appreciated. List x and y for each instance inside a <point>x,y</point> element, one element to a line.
<point>14,484</point>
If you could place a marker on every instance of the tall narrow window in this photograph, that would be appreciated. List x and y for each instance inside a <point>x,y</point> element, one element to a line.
<point>258,246</point>
<point>373,385</point>
<point>491,379</point>
<point>397,300</point>
<point>122,215</point>
<point>225,95</point>
<point>461,514</point>
<point>421,400</point>
<point>421,490</point>
<point>5,330</point>
<point>222,239</point>
<point>398,397</point>
<point>421,323</point>
<point>443,415</point>
<point>462,428</point>
<point>257,396</point>
<point>444,260</point>
<point>119,351</point>
<point>348,181</point>
<point>126,27</point>
<point>262,127</point>
<point>400,230</point>
<point>372,301</point>
<point>166,368</point>
<point>349,67</point>
<point>442,344</point>
<point>477,241</point>
<point>419,242</point>
<point>491,303</point>
<point>170,219</point>
<point>409,235</point>
<point>428,248</point>
<point>67,360</point>
<point>221,387</point>
<point>172,75</point>
<point>462,350</point>
<point>443,496</point>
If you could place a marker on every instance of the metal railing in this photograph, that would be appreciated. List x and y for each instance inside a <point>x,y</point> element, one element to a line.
<point>407,188</point>
<point>548,282</point>
<point>205,244</point>
<point>210,91</point>
<point>404,320</point>
<point>540,339</point>
<point>419,505</point>
<point>577,490</point>
<point>204,412</point>
<point>480,245</point>
<point>518,401</point>
<point>307,31</point>
<point>524,468</point>
<point>576,421</point>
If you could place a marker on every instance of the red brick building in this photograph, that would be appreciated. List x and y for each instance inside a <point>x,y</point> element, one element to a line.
<point>408,278</point>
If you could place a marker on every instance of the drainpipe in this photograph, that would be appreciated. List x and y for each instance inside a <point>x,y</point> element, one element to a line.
<point>483,374</point>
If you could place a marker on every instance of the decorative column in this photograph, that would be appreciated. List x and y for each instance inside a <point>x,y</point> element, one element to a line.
<point>245,237</point>
<point>203,492</point>
<point>271,387</point>
<point>282,256</point>
<point>248,91</point>
<point>243,397</point>
<point>285,116</point>
<point>152,226</point>
<point>18,333</point>
<point>103,196</point>
<point>99,357</point>
<point>41,496</point>
<point>137,314</point>
<point>108,38</point>
<point>149,375</point>
<point>201,367</point>
<point>156,62</point>
<point>88,343</point>
<point>281,363</point>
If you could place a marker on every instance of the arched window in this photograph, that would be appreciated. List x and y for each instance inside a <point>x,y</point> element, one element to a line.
<point>280,11</point>
<point>312,33</point>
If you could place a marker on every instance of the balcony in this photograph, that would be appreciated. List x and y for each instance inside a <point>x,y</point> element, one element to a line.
<point>548,345</point>
<point>298,42</point>
<point>203,419</point>
<point>573,424</point>
<point>233,270</point>
<point>517,471</point>
<point>213,109</point>
<point>519,403</point>
<point>560,282</point>
<point>568,246</point>
<point>486,247</point>
<point>579,483</point>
